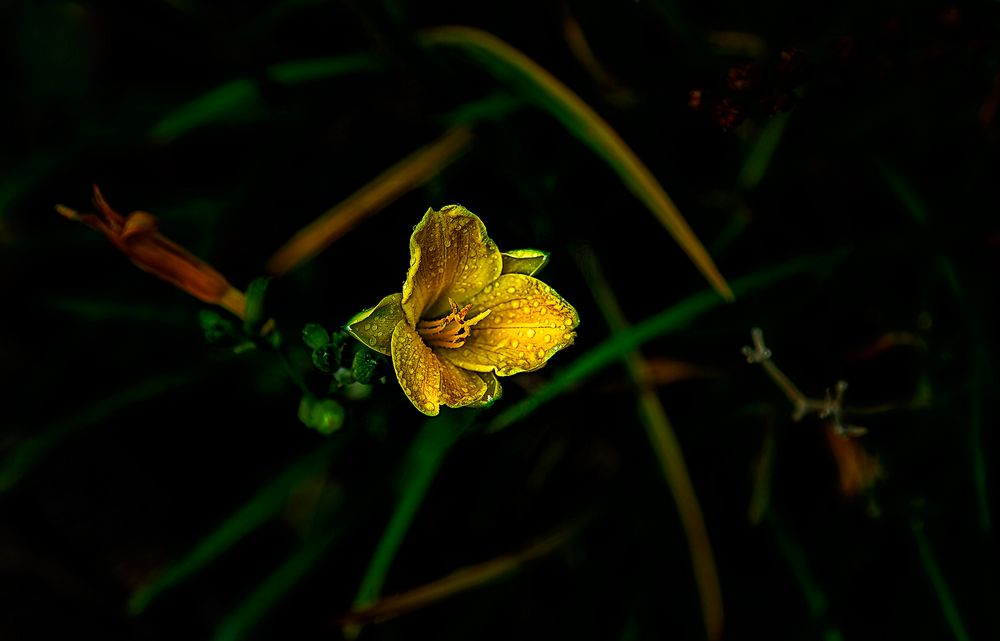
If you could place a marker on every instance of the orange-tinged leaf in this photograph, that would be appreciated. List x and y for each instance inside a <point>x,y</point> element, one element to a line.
<point>509,64</point>
<point>411,172</point>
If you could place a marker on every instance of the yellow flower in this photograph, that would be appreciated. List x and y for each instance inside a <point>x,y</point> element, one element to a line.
<point>467,314</point>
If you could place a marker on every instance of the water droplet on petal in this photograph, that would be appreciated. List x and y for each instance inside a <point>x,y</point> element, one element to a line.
<point>530,333</point>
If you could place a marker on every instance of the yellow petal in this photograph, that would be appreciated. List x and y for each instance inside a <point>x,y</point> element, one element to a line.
<point>374,326</point>
<point>524,261</point>
<point>527,324</point>
<point>450,257</point>
<point>460,387</point>
<point>417,369</point>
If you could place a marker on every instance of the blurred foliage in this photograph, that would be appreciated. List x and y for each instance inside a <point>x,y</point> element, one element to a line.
<point>169,470</point>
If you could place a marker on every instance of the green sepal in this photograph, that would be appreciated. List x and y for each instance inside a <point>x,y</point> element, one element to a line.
<point>253,318</point>
<point>374,326</point>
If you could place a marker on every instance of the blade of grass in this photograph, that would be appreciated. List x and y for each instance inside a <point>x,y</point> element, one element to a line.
<point>420,466</point>
<point>526,77</point>
<point>296,72</point>
<point>28,452</point>
<point>221,104</point>
<point>244,619</point>
<point>412,171</point>
<point>241,96</point>
<point>762,151</point>
<point>668,452</point>
<point>941,590</point>
<point>459,581</point>
<point>982,375</point>
<point>669,320</point>
<point>264,505</point>
<point>815,598</point>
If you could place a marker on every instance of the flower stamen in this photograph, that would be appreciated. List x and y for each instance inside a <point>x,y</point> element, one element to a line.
<point>450,331</point>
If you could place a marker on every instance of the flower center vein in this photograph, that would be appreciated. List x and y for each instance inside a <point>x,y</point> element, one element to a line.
<point>450,331</point>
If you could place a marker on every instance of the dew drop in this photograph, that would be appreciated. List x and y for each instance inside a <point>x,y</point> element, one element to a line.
<point>515,304</point>
<point>568,336</point>
<point>568,322</point>
<point>541,353</point>
<point>547,338</point>
<point>511,290</point>
<point>515,343</point>
<point>429,406</point>
<point>530,333</point>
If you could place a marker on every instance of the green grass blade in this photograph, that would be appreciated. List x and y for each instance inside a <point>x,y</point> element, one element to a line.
<point>528,79</point>
<point>667,448</point>
<point>265,504</point>
<point>762,151</point>
<point>948,605</point>
<point>223,103</point>
<point>667,321</point>
<point>795,556</point>
<point>296,72</point>
<point>422,462</point>
<point>242,621</point>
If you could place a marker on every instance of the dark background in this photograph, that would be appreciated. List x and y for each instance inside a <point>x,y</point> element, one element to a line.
<point>126,437</point>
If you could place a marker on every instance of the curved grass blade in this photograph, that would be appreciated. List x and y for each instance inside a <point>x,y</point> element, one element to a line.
<point>27,453</point>
<point>241,97</point>
<point>762,151</point>
<point>668,321</point>
<point>265,504</point>
<point>948,605</point>
<point>795,556</point>
<point>535,83</point>
<point>458,581</point>
<point>412,171</point>
<point>243,620</point>
<point>296,72</point>
<point>668,452</point>
<point>234,98</point>
<point>422,462</point>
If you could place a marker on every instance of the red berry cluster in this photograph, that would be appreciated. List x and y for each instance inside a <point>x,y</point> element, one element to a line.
<point>750,87</point>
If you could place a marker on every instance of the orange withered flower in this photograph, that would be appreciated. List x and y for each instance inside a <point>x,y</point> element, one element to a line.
<point>137,236</point>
